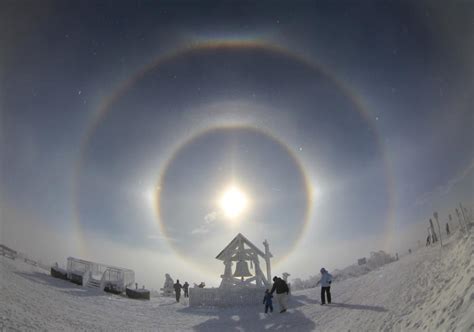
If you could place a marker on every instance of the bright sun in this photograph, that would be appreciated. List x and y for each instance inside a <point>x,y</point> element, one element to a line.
<point>233,202</point>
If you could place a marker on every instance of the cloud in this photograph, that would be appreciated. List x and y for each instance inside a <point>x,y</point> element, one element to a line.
<point>159,237</point>
<point>445,188</point>
<point>211,217</point>
<point>209,220</point>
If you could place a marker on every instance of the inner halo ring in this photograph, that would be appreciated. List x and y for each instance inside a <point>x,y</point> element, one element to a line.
<point>222,128</point>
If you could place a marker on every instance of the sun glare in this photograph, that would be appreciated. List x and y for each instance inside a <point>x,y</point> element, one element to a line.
<point>233,202</point>
<point>150,196</point>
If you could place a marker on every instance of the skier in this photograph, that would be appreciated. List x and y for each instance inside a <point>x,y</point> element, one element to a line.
<point>428,240</point>
<point>267,300</point>
<point>282,290</point>
<point>326,279</point>
<point>185,288</point>
<point>177,289</point>
<point>447,229</point>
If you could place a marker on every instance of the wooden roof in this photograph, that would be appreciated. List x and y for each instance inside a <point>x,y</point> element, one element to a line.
<point>234,243</point>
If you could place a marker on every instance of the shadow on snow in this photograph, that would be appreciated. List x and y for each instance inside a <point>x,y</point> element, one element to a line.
<point>253,318</point>
<point>303,299</point>
<point>358,307</point>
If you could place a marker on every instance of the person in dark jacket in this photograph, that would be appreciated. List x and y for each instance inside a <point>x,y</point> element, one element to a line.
<point>282,290</point>
<point>177,289</point>
<point>185,289</point>
<point>267,300</point>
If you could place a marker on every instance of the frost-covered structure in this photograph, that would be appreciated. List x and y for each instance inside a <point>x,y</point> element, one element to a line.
<point>379,258</point>
<point>241,251</point>
<point>98,275</point>
<point>168,289</point>
<point>239,284</point>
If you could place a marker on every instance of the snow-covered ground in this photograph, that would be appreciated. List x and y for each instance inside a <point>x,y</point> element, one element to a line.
<point>432,289</point>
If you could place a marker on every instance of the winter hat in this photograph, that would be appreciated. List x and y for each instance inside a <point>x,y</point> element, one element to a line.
<point>323,270</point>
<point>275,278</point>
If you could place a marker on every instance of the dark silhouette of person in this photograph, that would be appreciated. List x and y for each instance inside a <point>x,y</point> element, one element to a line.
<point>267,300</point>
<point>282,291</point>
<point>185,289</point>
<point>326,280</point>
<point>428,240</point>
<point>177,289</point>
<point>447,229</point>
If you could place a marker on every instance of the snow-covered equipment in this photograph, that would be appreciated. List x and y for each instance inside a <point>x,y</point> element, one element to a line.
<point>97,275</point>
<point>57,272</point>
<point>379,258</point>
<point>142,294</point>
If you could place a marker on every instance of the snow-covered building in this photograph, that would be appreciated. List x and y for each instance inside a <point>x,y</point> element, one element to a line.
<point>102,276</point>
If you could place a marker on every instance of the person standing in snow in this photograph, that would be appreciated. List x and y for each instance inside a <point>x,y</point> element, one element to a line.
<point>282,290</point>
<point>185,288</point>
<point>177,289</point>
<point>447,229</point>
<point>326,279</point>
<point>267,300</point>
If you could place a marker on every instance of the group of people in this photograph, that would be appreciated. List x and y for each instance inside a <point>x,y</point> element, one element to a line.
<point>282,291</point>
<point>177,289</point>
<point>280,287</point>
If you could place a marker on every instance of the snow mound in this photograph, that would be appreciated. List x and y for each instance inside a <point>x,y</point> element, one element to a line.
<point>431,289</point>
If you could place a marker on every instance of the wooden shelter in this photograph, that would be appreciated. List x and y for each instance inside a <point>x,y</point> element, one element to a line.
<point>241,251</point>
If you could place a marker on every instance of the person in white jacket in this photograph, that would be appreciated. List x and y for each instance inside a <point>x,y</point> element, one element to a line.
<point>326,279</point>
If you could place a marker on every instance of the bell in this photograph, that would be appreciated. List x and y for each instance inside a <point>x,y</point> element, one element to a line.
<point>242,269</point>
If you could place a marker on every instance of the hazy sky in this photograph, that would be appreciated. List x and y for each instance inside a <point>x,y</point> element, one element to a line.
<point>345,124</point>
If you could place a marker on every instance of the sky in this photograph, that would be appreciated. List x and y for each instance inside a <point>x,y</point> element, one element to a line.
<point>343,124</point>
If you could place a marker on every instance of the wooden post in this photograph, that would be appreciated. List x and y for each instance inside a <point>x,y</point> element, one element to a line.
<point>435,215</point>
<point>267,261</point>
<point>464,217</point>
<point>434,238</point>
<point>463,227</point>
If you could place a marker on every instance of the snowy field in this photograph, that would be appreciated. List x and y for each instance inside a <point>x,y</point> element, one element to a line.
<point>430,290</point>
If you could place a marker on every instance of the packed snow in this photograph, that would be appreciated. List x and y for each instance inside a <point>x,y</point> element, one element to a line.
<point>431,289</point>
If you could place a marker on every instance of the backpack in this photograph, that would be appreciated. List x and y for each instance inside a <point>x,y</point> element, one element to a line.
<point>286,286</point>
